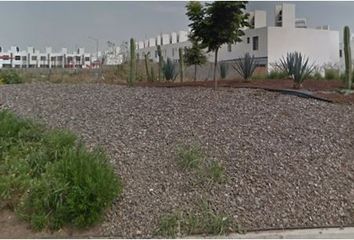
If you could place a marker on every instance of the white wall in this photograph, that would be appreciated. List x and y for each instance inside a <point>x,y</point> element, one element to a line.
<point>321,46</point>
<point>238,50</point>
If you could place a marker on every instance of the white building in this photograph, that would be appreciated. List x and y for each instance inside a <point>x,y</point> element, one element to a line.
<point>267,43</point>
<point>33,58</point>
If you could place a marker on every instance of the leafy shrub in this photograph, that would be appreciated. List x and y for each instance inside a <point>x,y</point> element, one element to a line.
<point>274,74</point>
<point>224,68</point>
<point>51,179</point>
<point>317,76</point>
<point>10,77</point>
<point>245,67</point>
<point>331,74</point>
<point>169,70</point>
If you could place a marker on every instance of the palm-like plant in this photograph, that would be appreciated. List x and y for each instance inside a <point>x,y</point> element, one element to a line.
<point>245,67</point>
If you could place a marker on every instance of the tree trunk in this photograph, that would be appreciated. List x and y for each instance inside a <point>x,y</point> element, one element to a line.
<point>195,72</point>
<point>215,66</point>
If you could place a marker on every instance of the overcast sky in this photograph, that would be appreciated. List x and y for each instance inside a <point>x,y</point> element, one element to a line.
<point>69,24</point>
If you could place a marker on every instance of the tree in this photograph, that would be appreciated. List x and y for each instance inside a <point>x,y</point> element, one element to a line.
<point>217,23</point>
<point>194,56</point>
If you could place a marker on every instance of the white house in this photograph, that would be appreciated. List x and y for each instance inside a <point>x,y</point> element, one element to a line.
<point>33,58</point>
<point>268,43</point>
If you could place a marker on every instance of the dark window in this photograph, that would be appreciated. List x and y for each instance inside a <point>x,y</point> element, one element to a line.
<point>34,58</point>
<point>255,43</point>
<point>60,58</point>
<point>340,53</point>
<point>155,54</point>
<point>24,58</point>
<point>248,40</point>
<point>52,59</point>
<point>17,58</point>
<point>229,47</point>
<point>78,58</point>
<point>43,58</point>
<point>87,59</point>
<point>0,49</point>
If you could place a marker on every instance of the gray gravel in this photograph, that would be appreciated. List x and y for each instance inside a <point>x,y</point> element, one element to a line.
<point>289,161</point>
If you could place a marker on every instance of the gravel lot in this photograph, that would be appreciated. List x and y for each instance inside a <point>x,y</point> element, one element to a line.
<point>289,161</point>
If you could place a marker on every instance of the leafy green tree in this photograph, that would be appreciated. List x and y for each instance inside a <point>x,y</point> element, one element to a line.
<point>194,56</point>
<point>217,23</point>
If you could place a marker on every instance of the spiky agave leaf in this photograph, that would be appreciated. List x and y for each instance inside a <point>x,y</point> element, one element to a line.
<point>245,67</point>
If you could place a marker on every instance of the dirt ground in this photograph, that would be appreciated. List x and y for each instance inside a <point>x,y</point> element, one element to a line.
<point>13,227</point>
<point>322,88</point>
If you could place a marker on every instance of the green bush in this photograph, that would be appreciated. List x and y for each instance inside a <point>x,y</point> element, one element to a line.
<point>10,77</point>
<point>49,178</point>
<point>273,74</point>
<point>332,74</point>
<point>317,76</point>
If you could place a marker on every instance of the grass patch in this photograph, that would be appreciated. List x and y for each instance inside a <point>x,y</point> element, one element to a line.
<point>192,158</point>
<point>49,178</point>
<point>189,157</point>
<point>204,220</point>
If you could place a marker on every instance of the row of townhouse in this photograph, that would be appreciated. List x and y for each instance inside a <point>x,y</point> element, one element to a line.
<point>267,43</point>
<point>33,58</point>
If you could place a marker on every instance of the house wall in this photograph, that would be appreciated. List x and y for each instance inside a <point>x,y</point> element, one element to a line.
<point>321,46</point>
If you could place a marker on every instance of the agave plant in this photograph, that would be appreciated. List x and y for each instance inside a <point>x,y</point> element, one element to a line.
<point>287,64</point>
<point>245,67</point>
<point>169,70</point>
<point>298,67</point>
<point>223,70</point>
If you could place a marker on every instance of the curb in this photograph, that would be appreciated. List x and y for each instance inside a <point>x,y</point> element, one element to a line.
<point>317,233</point>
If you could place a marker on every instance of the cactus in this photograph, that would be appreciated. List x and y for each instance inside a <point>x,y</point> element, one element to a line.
<point>181,64</point>
<point>147,67</point>
<point>347,57</point>
<point>132,70</point>
<point>152,74</point>
<point>160,61</point>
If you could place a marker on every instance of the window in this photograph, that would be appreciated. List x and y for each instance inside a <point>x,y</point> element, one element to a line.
<point>248,40</point>
<point>52,59</point>
<point>34,58</point>
<point>43,58</point>
<point>155,54</point>
<point>340,53</point>
<point>255,43</point>
<point>17,58</point>
<point>77,58</point>
<point>229,47</point>
<point>87,59</point>
<point>60,58</point>
<point>24,58</point>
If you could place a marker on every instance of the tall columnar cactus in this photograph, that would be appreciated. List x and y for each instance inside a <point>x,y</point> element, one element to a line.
<point>147,67</point>
<point>160,61</point>
<point>181,64</point>
<point>347,57</point>
<point>132,70</point>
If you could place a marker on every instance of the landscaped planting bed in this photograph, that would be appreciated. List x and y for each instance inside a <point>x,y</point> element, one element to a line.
<point>196,160</point>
